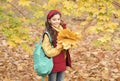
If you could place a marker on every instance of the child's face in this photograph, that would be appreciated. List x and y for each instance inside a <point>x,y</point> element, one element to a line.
<point>55,20</point>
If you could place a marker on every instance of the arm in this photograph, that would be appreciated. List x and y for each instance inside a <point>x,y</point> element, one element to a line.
<point>48,49</point>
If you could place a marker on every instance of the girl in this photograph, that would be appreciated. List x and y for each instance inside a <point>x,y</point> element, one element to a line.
<point>61,57</point>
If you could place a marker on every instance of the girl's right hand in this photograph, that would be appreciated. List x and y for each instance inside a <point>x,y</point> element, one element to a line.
<point>59,46</point>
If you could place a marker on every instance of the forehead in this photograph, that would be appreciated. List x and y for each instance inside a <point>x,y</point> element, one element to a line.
<point>56,16</point>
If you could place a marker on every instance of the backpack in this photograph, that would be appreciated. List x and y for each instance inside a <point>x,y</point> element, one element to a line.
<point>42,64</point>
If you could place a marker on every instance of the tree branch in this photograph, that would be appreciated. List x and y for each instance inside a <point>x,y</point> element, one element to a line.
<point>17,9</point>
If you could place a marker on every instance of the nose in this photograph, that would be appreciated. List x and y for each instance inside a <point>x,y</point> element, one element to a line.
<point>57,21</point>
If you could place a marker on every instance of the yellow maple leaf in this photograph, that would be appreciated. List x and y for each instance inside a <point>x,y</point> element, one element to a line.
<point>11,43</point>
<point>24,2</point>
<point>53,2</point>
<point>39,14</point>
<point>9,0</point>
<point>105,38</point>
<point>69,39</point>
<point>91,30</point>
<point>16,39</point>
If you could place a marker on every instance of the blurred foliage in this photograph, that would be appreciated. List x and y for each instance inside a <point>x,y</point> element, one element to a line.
<point>97,57</point>
<point>16,16</point>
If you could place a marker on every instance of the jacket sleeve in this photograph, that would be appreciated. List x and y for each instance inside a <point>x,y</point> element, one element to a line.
<point>48,49</point>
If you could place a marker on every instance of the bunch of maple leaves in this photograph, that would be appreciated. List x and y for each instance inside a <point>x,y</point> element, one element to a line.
<point>69,39</point>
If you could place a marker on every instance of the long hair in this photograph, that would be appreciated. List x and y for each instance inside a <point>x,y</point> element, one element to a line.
<point>52,32</point>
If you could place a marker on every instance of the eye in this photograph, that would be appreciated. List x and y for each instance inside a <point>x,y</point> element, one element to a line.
<point>54,19</point>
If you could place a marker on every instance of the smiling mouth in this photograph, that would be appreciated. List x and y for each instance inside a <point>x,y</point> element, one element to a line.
<point>56,24</point>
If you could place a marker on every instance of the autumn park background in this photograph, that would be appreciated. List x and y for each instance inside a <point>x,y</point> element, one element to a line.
<point>97,58</point>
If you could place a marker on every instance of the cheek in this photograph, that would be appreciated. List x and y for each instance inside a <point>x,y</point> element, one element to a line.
<point>52,22</point>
